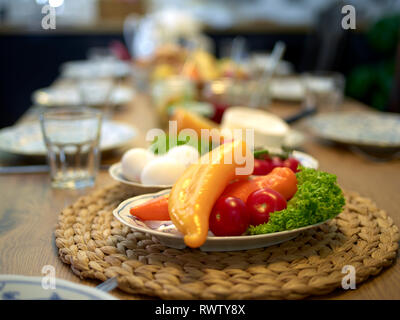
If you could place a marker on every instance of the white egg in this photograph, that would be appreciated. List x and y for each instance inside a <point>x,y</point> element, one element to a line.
<point>133,161</point>
<point>185,154</point>
<point>162,171</point>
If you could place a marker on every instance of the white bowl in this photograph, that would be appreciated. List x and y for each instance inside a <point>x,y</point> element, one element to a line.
<point>138,188</point>
<point>168,235</point>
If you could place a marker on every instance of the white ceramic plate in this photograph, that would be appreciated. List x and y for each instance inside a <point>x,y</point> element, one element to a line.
<point>116,173</point>
<point>168,235</point>
<point>70,96</point>
<point>16,287</point>
<point>26,139</point>
<point>95,68</point>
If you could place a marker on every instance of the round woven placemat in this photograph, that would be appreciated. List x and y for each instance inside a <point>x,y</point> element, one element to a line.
<point>97,246</point>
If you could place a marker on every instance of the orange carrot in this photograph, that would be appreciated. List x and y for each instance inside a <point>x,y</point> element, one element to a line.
<point>154,209</point>
<point>282,180</point>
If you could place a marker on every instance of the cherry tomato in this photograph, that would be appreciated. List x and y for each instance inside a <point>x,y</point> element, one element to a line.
<point>229,217</point>
<point>291,163</point>
<point>262,167</point>
<point>276,162</point>
<point>262,202</point>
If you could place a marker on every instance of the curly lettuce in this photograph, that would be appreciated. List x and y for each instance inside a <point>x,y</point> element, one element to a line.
<point>318,198</point>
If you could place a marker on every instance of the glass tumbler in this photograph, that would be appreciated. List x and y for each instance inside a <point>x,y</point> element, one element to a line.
<point>72,136</point>
<point>324,89</point>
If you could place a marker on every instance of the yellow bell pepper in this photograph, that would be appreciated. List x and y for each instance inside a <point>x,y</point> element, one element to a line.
<point>194,194</point>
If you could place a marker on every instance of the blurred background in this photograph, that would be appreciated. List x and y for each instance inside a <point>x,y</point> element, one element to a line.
<point>368,56</point>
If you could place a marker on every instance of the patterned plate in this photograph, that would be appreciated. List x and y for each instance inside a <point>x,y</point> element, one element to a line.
<point>168,235</point>
<point>26,139</point>
<point>15,287</point>
<point>374,129</point>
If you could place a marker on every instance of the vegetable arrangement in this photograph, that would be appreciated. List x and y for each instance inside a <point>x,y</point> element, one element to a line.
<point>213,197</point>
<point>317,199</point>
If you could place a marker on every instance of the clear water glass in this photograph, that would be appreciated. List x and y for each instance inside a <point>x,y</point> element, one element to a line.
<point>72,136</point>
<point>324,89</point>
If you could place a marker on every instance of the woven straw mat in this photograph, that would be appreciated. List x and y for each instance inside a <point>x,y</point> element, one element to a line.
<point>97,246</point>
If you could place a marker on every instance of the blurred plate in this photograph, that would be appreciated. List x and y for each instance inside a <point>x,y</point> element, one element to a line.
<point>116,173</point>
<point>15,287</point>
<point>95,68</point>
<point>364,129</point>
<point>70,96</point>
<point>26,139</point>
<point>290,89</point>
<point>166,232</point>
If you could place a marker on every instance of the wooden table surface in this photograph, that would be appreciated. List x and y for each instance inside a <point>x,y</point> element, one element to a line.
<point>29,207</point>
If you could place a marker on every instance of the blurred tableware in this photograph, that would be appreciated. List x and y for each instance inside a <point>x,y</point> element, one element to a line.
<point>29,169</point>
<point>262,62</point>
<point>287,88</point>
<point>26,139</point>
<point>373,131</point>
<point>68,95</point>
<point>324,89</point>
<point>72,136</point>
<point>276,56</point>
<point>166,232</point>
<point>269,130</point>
<point>306,111</point>
<point>294,139</point>
<point>139,188</point>
<point>17,287</point>
<point>95,68</point>
<point>171,91</point>
<point>97,92</point>
<point>108,285</point>
<point>202,108</point>
<point>100,53</point>
<point>226,92</point>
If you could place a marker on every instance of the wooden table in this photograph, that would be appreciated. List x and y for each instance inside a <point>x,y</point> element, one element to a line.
<point>29,207</point>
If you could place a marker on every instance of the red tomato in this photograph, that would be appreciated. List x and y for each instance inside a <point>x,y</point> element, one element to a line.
<point>276,162</point>
<point>229,217</point>
<point>262,167</point>
<point>262,202</point>
<point>291,163</point>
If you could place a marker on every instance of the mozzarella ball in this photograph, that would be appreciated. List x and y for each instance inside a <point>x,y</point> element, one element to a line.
<point>185,154</point>
<point>162,171</point>
<point>133,161</point>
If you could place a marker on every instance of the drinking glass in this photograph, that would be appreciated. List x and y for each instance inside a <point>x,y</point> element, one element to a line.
<point>71,136</point>
<point>324,89</point>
